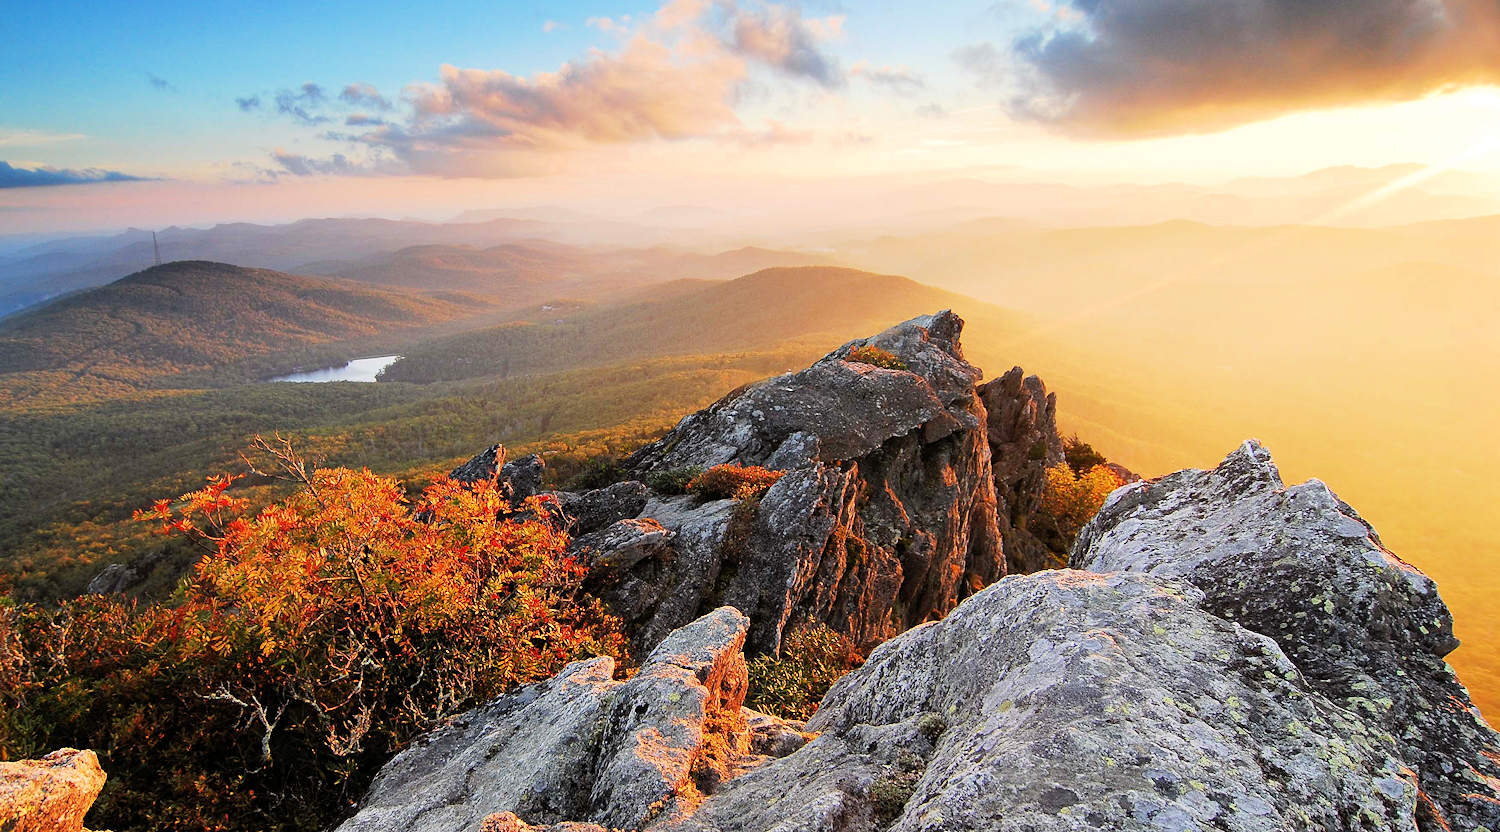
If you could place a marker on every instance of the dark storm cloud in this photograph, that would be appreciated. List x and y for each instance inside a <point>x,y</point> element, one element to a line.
<point>1123,67</point>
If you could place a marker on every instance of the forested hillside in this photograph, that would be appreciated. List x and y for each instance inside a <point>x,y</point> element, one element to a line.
<point>809,304</point>
<point>188,316</point>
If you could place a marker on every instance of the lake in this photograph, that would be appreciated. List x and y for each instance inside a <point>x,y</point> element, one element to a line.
<point>360,369</point>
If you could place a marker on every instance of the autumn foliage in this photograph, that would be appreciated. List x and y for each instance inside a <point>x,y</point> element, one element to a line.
<point>1072,499</point>
<point>312,640</point>
<point>876,357</point>
<point>740,482</point>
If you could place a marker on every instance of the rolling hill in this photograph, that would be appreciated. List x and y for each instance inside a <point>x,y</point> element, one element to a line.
<point>194,315</point>
<point>819,305</point>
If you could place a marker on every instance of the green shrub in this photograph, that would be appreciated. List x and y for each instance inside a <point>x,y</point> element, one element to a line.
<point>596,472</point>
<point>875,356</point>
<point>892,790</point>
<point>792,685</point>
<point>741,482</point>
<point>672,481</point>
<point>1080,455</point>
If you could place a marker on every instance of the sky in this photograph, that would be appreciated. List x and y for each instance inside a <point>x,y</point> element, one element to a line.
<point>116,113</point>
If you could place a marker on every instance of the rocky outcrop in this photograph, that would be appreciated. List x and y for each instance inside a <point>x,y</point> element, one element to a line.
<point>1065,701</point>
<point>51,794</point>
<point>522,477</point>
<point>1245,656</point>
<point>584,749</point>
<point>1365,629</point>
<point>594,510</point>
<point>112,580</point>
<point>884,519</point>
<point>1024,443</point>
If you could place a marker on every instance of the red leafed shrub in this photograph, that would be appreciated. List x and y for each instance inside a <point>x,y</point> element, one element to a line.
<point>877,357</point>
<point>311,642</point>
<point>742,482</point>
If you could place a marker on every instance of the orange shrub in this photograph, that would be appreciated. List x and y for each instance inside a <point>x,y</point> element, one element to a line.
<point>1073,499</point>
<point>877,357</point>
<point>311,642</point>
<point>742,482</point>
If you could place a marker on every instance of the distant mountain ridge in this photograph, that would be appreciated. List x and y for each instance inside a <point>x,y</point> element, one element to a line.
<point>808,304</point>
<point>388,252</point>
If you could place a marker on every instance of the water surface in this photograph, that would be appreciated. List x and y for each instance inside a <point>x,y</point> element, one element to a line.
<point>360,369</point>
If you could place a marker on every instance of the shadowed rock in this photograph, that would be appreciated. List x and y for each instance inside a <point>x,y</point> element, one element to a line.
<point>523,477</point>
<point>1024,443</point>
<point>1299,565</point>
<point>593,510</point>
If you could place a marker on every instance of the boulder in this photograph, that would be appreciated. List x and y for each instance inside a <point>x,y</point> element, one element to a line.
<point>594,510</point>
<point>1297,564</point>
<point>1063,700</point>
<point>51,794</point>
<point>523,477</point>
<point>581,748</point>
<point>112,580</point>
<point>1071,701</point>
<point>886,514</point>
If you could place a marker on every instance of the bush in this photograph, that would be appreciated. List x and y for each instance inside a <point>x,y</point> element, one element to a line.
<point>312,641</point>
<point>893,789</point>
<point>792,685</point>
<point>875,356</point>
<point>1072,499</point>
<point>672,481</point>
<point>1080,455</point>
<point>741,482</point>
<point>598,471</point>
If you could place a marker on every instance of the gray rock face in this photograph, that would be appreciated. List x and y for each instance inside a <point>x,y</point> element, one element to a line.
<point>594,510</point>
<point>522,476</point>
<point>1063,700</point>
<point>1024,443</point>
<point>1067,700</point>
<point>1299,565</point>
<point>112,579</point>
<point>581,746</point>
<point>886,517</point>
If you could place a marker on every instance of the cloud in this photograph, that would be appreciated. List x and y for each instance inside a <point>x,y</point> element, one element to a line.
<point>678,74</point>
<point>302,104</point>
<point>1142,67</point>
<point>299,165</point>
<point>34,138</point>
<point>609,24</point>
<point>248,103</point>
<point>14,177</point>
<point>551,26</point>
<point>898,79</point>
<point>646,91</point>
<point>781,38</point>
<point>364,94</point>
<point>160,84</point>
